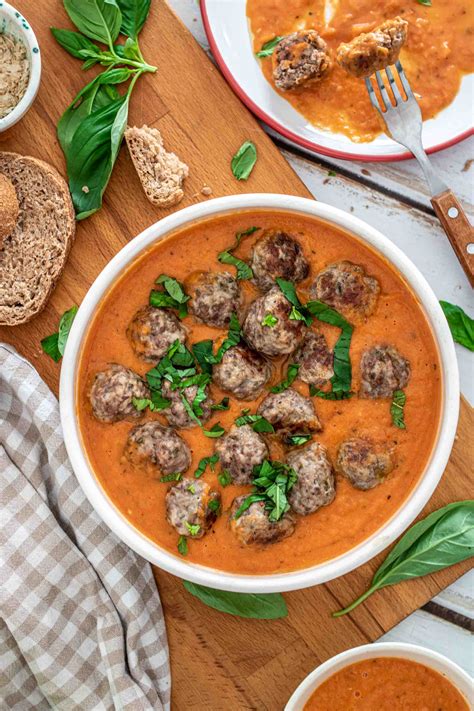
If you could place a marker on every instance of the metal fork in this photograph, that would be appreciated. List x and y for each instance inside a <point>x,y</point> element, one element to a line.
<point>402,117</point>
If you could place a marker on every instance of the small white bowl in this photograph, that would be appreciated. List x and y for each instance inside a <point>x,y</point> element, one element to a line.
<point>12,22</point>
<point>276,582</point>
<point>413,652</point>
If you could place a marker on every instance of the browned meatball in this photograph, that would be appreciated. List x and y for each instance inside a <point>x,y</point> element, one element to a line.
<point>177,414</point>
<point>283,336</point>
<point>383,370</point>
<point>347,288</point>
<point>315,360</point>
<point>374,50</point>
<point>277,254</point>
<point>159,446</point>
<point>289,412</point>
<point>315,484</point>
<point>253,526</point>
<point>152,331</point>
<point>363,463</point>
<point>242,372</point>
<point>112,393</point>
<point>240,451</point>
<point>192,507</point>
<point>300,58</point>
<point>215,296</point>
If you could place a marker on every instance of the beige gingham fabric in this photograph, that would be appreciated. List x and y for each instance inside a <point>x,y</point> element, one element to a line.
<point>81,624</point>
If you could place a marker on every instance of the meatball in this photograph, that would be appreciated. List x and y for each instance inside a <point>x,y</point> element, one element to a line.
<point>112,393</point>
<point>346,287</point>
<point>253,526</point>
<point>315,484</point>
<point>240,451</point>
<point>152,331</point>
<point>215,296</point>
<point>383,370</point>
<point>160,446</point>
<point>177,414</point>
<point>277,339</point>
<point>315,360</point>
<point>300,58</point>
<point>277,254</point>
<point>375,50</point>
<point>242,372</point>
<point>364,464</point>
<point>290,412</point>
<point>190,508</point>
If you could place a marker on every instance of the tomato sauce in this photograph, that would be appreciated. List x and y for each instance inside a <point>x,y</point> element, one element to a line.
<point>354,515</point>
<point>438,52</point>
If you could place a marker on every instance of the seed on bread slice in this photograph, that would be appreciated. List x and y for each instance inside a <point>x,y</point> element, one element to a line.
<point>9,207</point>
<point>34,254</point>
<point>161,173</point>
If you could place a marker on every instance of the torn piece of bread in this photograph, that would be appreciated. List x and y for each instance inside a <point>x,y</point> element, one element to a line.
<point>34,254</point>
<point>161,173</point>
<point>8,207</point>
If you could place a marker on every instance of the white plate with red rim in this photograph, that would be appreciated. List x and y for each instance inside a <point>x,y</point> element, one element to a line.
<point>228,32</point>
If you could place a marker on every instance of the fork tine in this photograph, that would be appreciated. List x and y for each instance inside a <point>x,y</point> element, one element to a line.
<point>372,95</point>
<point>383,91</point>
<point>393,85</point>
<point>404,80</point>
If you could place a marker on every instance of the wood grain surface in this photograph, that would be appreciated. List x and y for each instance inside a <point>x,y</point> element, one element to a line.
<point>218,662</point>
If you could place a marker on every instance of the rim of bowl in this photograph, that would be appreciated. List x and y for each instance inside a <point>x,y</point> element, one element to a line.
<point>273,582</point>
<point>28,36</point>
<point>413,652</point>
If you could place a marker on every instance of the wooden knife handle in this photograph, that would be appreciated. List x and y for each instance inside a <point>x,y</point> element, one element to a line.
<point>458,228</point>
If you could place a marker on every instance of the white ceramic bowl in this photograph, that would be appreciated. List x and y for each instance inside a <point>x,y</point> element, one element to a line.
<point>282,581</point>
<point>13,22</point>
<point>438,662</point>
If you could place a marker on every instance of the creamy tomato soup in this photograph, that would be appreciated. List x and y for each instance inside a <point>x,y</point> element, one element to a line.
<point>387,684</point>
<point>438,52</point>
<point>354,514</point>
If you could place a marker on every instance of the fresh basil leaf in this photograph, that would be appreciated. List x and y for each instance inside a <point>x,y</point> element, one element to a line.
<point>460,324</point>
<point>247,503</point>
<point>329,394</point>
<point>183,545</point>
<point>160,300</point>
<point>74,42</point>
<point>50,347</point>
<point>216,431</point>
<point>173,287</point>
<point>425,2</point>
<point>397,409</point>
<point>243,233</point>
<point>204,463</point>
<point>134,15</point>
<point>98,19</point>
<point>289,291</point>
<point>342,379</point>
<point>325,313</point>
<point>268,47</point>
<point>224,478</point>
<point>234,335</point>
<point>268,606</point>
<point>258,422</point>
<point>244,160</point>
<point>214,505</point>
<point>297,440</point>
<point>243,269</point>
<point>270,320</point>
<point>175,476</point>
<point>272,481</point>
<point>193,528</point>
<point>203,352</point>
<point>291,374</point>
<point>65,326</point>
<point>442,539</point>
<point>222,405</point>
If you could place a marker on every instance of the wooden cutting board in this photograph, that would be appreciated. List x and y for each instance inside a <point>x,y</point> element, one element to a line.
<point>218,662</point>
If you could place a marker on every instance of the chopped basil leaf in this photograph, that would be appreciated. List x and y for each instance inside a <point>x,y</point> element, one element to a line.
<point>258,422</point>
<point>176,476</point>
<point>205,461</point>
<point>270,320</point>
<point>216,431</point>
<point>173,296</point>
<point>155,404</point>
<point>291,374</point>
<point>204,355</point>
<point>193,528</point>
<point>224,478</point>
<point>298,312</point>
<point>268,47</point>
<point>233,338</point>
<point>55,344</point>
<point>342,378</point>
<point>296,440</point>
<point>397,409</point>
<point>192,489</point>
<point>329,394</point>
<point>183,545</point>
<point>243,161</point>
<point>243,269</point>
<point>425,2</point>
<point>222,405</point>
<point>189,410</point>
<point>244,233</point>
<point>332,173</point>
<point>272,481</point>
<point>460,324</point>
<point>214,505</point>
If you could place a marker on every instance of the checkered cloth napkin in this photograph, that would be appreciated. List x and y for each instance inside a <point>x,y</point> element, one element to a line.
<point>81,624</point>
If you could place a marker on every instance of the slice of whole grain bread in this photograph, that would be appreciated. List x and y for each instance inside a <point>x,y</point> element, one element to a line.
<point>161,173</point>
<point>34,254</point>
<point>9,207</point>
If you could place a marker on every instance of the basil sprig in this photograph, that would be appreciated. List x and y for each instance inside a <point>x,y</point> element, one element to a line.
<point>243,161</point>
<point>55,344</point>
<point>91,129</point>
<point>397,409</point>
<point>440,540</point>
<point>271,481</point>
<point>461,325</point>
<point>204,463</point>
<point>268,47</point>
<point>173,296</point>
<point>226,257</point>
<point>267,606</point>
<point>291,374</point>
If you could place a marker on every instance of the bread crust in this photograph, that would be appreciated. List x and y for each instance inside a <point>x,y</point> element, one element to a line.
<point>9,207</point>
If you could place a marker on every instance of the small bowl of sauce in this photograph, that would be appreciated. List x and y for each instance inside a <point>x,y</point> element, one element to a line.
<point>385,677</point>
<point>20,66</point>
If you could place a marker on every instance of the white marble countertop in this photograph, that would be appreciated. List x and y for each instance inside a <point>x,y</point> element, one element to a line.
<point>394,198</point>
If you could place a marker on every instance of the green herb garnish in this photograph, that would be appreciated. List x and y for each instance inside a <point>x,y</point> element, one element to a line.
<point>193,528</point>
<point>216,431</point>
<point>222,405</point>
<point>243,269</point>
<point>173,296</point>
<point>268,606</point>
<point>204,462</point>
<point>297,440</point>
<point>440,540</point>
<point>270,320</point>
<point>268,47</point>
<point>224,478</point>
<point>243,161</point>
<point>183,545</point>
<point>291,374</point>
<point>258,422</point>
<point>425,2</point>
<point>460,324</point>
<point>203,353</point>
<point>397,409</point>
<point>175,476</point>
<point>214,505</point>
<point>272,481</point>
<point>55,344</point>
